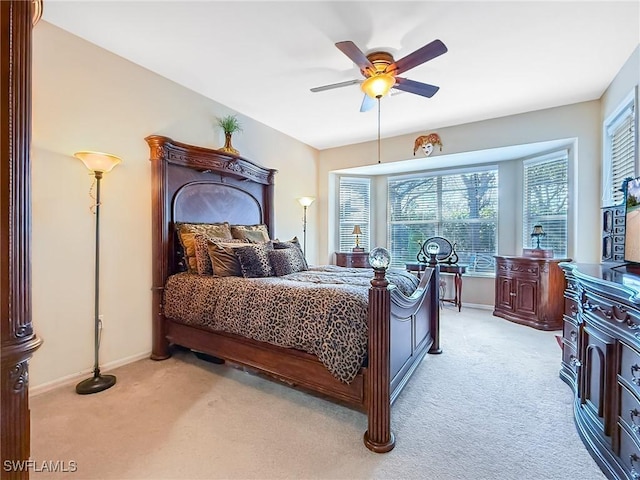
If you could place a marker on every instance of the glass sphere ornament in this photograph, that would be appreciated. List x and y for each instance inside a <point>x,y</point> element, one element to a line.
<point>379,258</point>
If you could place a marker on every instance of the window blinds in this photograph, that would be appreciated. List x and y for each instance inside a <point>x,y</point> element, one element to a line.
<point>460,206</point>
<point>622,138</point>
<point>354,210</point>
<point>546,197</point>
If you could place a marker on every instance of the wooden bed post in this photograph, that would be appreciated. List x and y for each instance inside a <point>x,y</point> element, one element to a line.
<point>378,436</point>
<point>435,311</point>
<point>160,246</point>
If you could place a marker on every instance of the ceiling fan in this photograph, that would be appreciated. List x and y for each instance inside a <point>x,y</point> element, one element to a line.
<point>380,71</point>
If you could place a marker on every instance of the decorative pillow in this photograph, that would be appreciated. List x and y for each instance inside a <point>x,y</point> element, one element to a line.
<point>294,242</point>
<point>187,232</point>
<point>254,260</point>
<point>203,259</point>
<point>223,259</point>
<point>287,260</point>
<point>251,233</point>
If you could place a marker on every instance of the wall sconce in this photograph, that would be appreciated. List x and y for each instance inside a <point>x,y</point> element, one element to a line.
<point>98,163</point>
<point>357,232</point>
<point>305,202</point>
<point>538,233</point>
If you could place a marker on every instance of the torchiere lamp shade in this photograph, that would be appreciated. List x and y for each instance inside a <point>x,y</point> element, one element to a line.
<point>98,161</point>
<point>306,201</point>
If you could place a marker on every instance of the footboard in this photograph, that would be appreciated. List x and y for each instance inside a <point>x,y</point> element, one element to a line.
<point>401,331</point>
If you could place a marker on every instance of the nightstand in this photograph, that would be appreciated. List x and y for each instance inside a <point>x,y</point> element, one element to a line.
<point>353,259</point>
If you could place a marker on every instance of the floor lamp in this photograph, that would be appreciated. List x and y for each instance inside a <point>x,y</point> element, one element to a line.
<point>98,164</point>
<point>305,202</point>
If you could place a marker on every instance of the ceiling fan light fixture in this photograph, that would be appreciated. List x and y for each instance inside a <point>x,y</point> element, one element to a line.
<point>378,85</point>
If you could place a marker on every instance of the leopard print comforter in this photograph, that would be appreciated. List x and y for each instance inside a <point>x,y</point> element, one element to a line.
<point>322,311</point>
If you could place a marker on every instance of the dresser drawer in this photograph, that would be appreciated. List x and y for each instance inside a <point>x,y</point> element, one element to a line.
<point>570,358</point>
<point>630,411</point>
<point>570,332</point>
<point>630,367</point>
<point>352,260</point>
<point>521,268</point>
<point>629,453</point>
<point>570,307</point>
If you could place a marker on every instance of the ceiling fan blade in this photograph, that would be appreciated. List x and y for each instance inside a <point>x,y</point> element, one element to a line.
<point>424,54</point>
<point>367,103</point>
<point>418,88</point>
<point>355,54</point>
<point>335,85</point>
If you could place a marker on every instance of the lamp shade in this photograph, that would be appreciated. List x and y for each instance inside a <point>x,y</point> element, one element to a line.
<point>537,231</point>
<point>378,85</point>
<point>98,161</point>
<point>306,201</point>
<point>356,230</point>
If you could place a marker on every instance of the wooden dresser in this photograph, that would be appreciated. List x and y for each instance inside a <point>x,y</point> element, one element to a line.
<point>529,291</point>
<point>601,363</point>
<point>353,259</point>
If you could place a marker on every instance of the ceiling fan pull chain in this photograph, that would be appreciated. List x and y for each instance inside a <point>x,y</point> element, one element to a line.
<point>378,129</point>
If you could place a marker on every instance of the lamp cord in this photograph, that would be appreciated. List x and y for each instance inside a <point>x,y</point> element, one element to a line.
<point>92,208</point>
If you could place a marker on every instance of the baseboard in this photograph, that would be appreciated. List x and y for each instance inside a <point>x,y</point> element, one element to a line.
<point>479,306</point>
<point>74,378</point>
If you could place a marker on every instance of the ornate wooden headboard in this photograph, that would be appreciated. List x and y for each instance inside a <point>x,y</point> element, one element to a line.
<point>201,185</point>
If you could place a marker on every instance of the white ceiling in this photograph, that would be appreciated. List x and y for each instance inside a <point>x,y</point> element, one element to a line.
<point>261,58</point>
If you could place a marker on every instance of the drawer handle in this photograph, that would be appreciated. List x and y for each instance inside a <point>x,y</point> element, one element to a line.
<point>574,310</point>
<point>574,362</point>
<point>512,294</point>
<point>573,336</point>
<point>633,458</point>
<point>634,414</point>
<point>588,306</point>
<point>635,369</point>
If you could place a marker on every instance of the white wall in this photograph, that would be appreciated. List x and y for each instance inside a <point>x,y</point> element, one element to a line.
<point>85,98</point>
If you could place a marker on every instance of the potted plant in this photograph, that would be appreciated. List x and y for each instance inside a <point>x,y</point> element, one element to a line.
<point>229,124</point>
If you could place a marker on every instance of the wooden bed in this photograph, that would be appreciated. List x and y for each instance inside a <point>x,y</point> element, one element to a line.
<point>195,184</point>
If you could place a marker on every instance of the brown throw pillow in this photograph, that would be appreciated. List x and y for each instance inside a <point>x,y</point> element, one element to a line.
<point>187,233</point>
<point>203,259</point>
<point>251,233</point>
<point>254,260</point>
<point>223,259</point>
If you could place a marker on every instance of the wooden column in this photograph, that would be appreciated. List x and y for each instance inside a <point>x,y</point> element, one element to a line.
<point>17,336</point>
<point>378,436</point>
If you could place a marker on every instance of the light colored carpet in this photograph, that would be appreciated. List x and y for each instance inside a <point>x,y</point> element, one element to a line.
<point>490,407</point>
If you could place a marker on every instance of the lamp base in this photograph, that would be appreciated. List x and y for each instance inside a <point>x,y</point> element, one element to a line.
<point>95,384</point>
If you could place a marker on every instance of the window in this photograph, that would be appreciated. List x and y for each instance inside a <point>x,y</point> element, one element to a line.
<point>546,195</point>
<point>620,150</point>
<point>354,210</point>
<point>461,206</point>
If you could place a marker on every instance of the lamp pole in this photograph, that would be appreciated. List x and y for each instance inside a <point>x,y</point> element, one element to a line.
<point>98,164</point>
<point>305,202</point>
<point>304,231</point>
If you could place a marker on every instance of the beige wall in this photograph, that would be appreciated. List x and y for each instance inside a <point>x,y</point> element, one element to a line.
<point>85,98</point>
<point>578,125</point>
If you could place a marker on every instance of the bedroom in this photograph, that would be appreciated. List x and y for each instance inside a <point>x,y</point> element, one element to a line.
<point>88,98</point>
